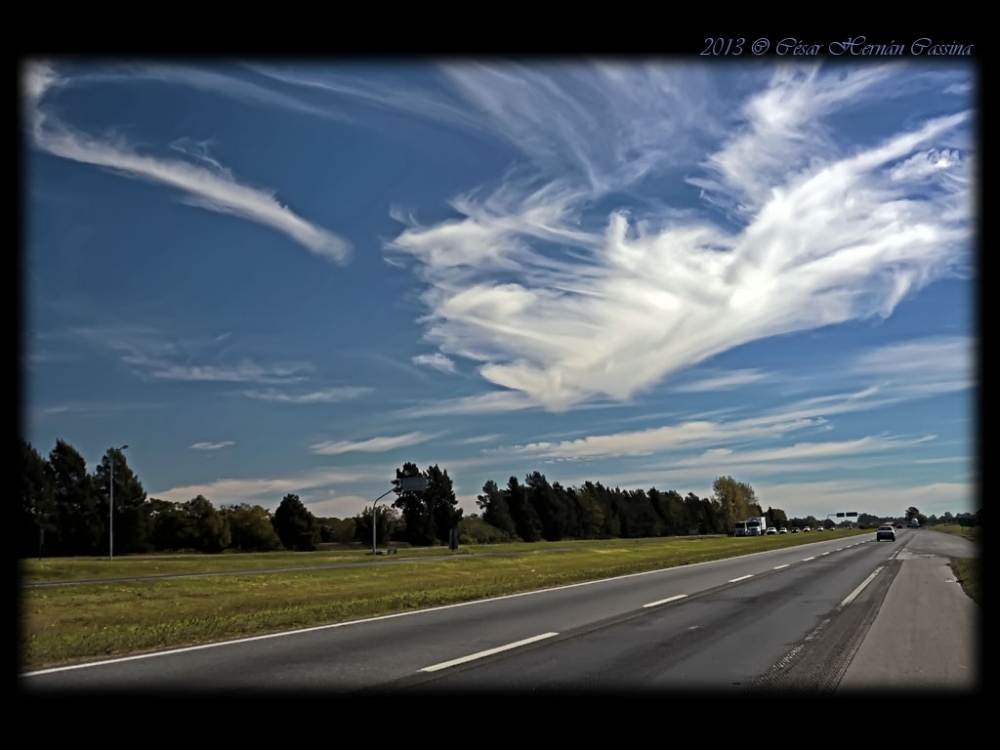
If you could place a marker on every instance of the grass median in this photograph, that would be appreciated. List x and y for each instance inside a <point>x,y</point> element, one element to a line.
<point>59,625</point>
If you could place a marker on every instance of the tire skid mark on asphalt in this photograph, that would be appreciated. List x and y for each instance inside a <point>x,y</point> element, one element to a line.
<point>819,661</point>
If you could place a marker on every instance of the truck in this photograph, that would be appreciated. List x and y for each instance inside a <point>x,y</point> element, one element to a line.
<point>914,523</point>
<point>741,529</point>
<point>757,526</point>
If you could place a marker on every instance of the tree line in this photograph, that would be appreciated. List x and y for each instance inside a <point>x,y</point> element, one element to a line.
<point>65,510</point>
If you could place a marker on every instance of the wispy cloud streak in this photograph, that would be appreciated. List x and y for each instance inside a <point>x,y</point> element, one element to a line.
<point>211,446</point>
<point>372,445</point>
<point>209,188</point>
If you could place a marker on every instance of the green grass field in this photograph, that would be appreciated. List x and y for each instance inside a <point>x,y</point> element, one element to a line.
<point>63,624</point>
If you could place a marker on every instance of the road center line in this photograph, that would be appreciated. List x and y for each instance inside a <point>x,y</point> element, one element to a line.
<point>665,601</point>
<point>488,652</point>
<point>825,553</point>
<point>850,597</point>
<point>807,559</point>
<point>741,578</point>
<point>779,567</point>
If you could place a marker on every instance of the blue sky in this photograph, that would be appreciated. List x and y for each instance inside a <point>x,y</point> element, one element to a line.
<point>276,277</point>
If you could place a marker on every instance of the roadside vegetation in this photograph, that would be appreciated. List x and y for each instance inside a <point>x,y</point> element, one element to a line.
<point>973,533</point>
<point>968,571</point>
<point>87,621</point>
<point>65,511</point>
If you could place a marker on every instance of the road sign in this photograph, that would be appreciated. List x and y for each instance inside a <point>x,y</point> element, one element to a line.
<point>410,484</point>
<point>852,514</point>
<point>967,521</point>
<point>840,515</point>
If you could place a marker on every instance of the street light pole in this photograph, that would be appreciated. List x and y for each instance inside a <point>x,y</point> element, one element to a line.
<point>111,510</point>
<point>373,515</point>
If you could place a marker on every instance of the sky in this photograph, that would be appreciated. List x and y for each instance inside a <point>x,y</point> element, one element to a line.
<point>279,277</point>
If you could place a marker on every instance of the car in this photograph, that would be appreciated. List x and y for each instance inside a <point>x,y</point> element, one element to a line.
<point>782,530</point>
<point>771,530</point>
<point>795,531</point>
<point>885,532</point>
<point>806,529</point>
<point>899,525</point>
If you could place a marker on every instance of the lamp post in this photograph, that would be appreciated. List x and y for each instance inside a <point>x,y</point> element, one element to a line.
<point>406,484</point>
<point>111,506</point>
<point>373,513</point>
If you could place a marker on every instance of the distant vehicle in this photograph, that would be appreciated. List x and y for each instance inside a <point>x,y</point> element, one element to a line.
<point>757,526</point>
<point>772,530</point>
<point>741,529</point>
<point>885,532</point>
<point>795,531</point>
<point>782,530</point>
<point>914,523</point>
<point>820,528</point>
<point>899,525</point>
<point>807,529</point>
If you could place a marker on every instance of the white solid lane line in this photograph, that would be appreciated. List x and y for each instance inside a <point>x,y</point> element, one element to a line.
<point>741,578</point>
<point>665,601</point>
<point>488,652</point>
<point>850,597</point>
<point>779,567</point>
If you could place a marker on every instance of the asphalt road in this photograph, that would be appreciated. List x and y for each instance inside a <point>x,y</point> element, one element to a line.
<point>926,635</point>
<point>788,618</point>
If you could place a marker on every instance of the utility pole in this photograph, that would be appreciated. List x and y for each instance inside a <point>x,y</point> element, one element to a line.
<point>111,504</point>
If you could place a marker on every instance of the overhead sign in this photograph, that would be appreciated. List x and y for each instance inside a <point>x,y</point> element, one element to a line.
<point>410,484</point>
<point>840,515</point>
<point>852,514</point>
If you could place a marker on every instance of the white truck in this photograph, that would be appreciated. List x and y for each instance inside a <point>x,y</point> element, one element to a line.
<point>741,529</point>
<point>757,526</point>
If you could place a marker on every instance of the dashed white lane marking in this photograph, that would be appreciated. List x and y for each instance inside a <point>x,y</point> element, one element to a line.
<point>488,652</point>
<point>825,553</point>
<point>807,559</point>
<point>741,578</point>
<point>665,601</point>
<point>850,597</point>
<point>779,567</point>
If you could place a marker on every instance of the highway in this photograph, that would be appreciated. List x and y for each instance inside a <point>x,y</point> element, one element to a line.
<point>789,618</point>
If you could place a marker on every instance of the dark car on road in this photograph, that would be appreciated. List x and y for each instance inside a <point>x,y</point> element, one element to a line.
<point>885,532</point>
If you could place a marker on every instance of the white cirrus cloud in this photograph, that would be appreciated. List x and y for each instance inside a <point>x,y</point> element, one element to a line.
<point>612,313</point>
<point>212,446</point>
<point>932,358</point>
<point>722,457</point>
<point>212,81</point>
<point>157,356</point>
<point>724,382</point>
<point>659,439</point>
<point>372,445</point>
<point>325,396</point>
<point>437,360</point>
<point>266,491</point>
<point>206,187</point>
<point>927,163</point>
